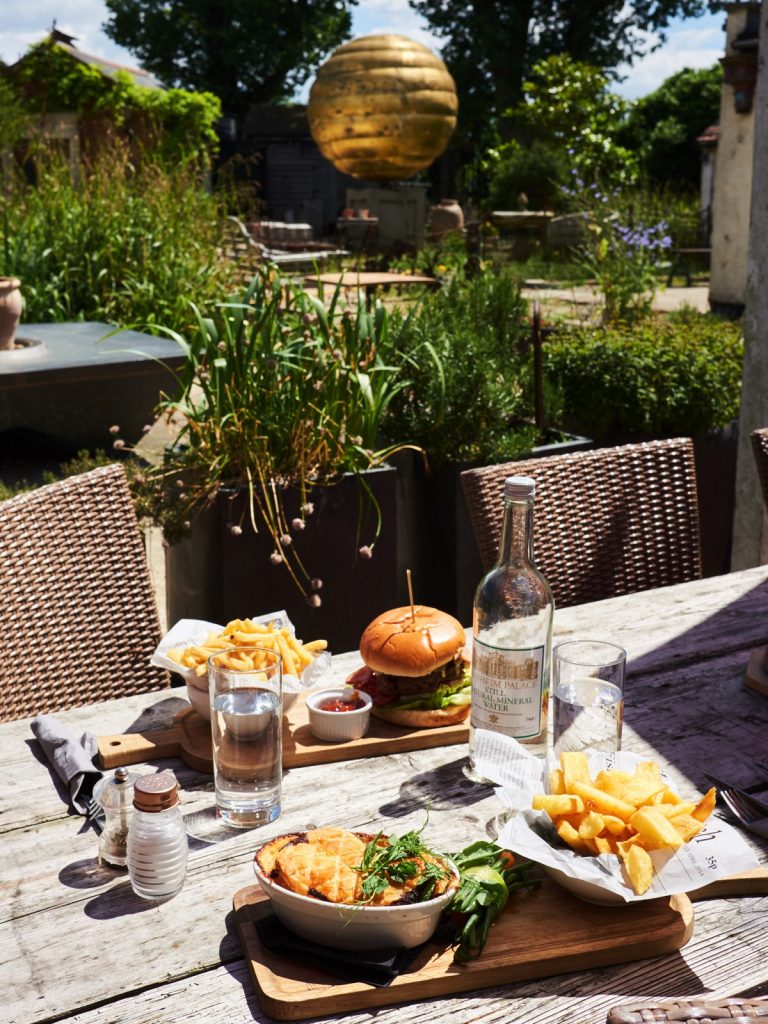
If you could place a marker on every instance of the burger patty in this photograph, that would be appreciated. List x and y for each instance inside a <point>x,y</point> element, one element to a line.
<point>383,688</point>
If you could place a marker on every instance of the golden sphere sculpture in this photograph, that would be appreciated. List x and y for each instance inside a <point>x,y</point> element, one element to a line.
<point>382,107</point>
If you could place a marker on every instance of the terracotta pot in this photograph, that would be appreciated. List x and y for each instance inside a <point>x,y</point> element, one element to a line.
<point>446,216</point>
<point>10,310</point>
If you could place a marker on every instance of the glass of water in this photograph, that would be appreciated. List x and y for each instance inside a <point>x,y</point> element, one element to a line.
<point>246,727</point>
<point>587,695</point>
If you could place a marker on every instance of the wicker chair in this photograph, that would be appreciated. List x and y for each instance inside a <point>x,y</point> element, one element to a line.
<point>607,522</point>
<point>760,449</point>
<point>79,617</point>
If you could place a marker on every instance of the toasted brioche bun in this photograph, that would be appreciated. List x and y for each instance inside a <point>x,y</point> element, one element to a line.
<point>402,642</point>
<point>424,718</point>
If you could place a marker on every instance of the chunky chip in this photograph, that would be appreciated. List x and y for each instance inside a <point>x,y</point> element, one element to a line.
<point>626,814</point>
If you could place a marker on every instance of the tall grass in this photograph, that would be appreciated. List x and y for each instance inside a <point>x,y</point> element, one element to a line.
<point>118,239</point>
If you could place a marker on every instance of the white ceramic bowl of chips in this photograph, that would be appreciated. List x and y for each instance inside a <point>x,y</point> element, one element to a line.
<point>199,697</point>
<point>349,927</point>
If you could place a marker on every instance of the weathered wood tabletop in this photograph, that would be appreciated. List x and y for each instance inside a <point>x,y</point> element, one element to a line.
<point>77,945</point>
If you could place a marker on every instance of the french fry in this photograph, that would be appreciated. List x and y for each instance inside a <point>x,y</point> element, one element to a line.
<point>621,813</point>
<point>556,781</point>
<point>242,633</point>
<point>600,801</point>
<point>592,824</point>
<point>705,806</point>
<point>686,826</point>
<point>639,867</point>
<point>570,836</point>
<point>316,645</point>
<point>657,831</point>
<point>575,766</point>
<point>558,805</point>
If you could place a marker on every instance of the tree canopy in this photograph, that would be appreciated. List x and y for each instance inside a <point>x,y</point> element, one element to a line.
<point>662,127</point>
<point>243,51</point>
<point>567,122</point>
<point>492,46</point>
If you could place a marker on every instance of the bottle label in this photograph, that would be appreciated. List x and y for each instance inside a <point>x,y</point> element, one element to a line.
<point>507,689</point>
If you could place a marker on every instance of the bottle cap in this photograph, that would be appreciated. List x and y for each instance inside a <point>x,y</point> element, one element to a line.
<point>519,488</point>
<point>156,792</point>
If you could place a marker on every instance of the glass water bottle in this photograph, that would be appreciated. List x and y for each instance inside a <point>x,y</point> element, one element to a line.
<point>512,634</point>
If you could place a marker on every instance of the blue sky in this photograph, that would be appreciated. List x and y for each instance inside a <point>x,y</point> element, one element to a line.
<point>692,43</point>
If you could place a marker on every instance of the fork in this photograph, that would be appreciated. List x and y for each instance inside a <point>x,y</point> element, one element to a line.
<point>745,811</point>
<point>749,792</point>
<point>94,812</point>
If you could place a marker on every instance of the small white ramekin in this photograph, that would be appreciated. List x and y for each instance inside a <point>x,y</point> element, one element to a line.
<point>338,726</point>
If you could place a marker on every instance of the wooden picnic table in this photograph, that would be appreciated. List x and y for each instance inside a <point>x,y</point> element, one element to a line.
<point>77,945</point>
<point>369,281</point>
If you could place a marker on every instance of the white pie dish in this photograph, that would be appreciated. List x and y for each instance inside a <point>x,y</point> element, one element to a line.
<point>348,927</point>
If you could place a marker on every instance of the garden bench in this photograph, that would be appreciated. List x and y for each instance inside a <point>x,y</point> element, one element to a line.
<point>245,250</point>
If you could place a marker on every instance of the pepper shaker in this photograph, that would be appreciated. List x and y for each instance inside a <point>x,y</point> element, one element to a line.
<point>115,795</point>
<point>157,838</point>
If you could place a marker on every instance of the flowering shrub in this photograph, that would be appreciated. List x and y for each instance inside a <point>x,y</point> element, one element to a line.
<point>622,257</point>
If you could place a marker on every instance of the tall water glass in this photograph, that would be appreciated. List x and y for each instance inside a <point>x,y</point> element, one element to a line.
<point>246,686</point>
<point>588,695</point>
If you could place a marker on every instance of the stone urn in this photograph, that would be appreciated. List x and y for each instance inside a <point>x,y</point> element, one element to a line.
<point>444,217</point>
<point>10,311</point>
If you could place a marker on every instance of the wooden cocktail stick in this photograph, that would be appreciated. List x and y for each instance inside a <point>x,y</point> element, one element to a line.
<point>410,595</point>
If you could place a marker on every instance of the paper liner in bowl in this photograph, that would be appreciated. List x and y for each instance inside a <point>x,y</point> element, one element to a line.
<point>716,852</point>
<point>190,632</point>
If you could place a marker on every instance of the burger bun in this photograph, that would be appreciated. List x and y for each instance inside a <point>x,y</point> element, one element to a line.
<point>422,718</point>
<point>411,641</point>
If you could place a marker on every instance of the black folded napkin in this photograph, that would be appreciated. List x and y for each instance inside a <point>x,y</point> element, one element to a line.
<point>72,758</point>
<point>377,967</point>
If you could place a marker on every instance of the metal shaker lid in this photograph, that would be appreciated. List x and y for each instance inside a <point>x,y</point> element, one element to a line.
<point>156,792</point>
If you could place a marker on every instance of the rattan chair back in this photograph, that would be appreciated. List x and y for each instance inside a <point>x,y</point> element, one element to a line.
<point>760,448</point>
<point>79,620</point>
<point>607,522</point>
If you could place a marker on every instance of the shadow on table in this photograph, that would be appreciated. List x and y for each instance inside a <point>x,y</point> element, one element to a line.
<point>119,901</point>
<point>88,874</point>
<point>442,788</point>
<point>687,711</point>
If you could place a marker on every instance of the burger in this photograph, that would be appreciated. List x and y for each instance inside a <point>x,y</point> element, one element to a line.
<point>416,667</point>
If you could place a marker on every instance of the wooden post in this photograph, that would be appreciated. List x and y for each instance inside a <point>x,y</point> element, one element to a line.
<point>749,518</point>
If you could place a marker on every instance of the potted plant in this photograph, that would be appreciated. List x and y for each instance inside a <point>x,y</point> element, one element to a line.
<point>275,493</point>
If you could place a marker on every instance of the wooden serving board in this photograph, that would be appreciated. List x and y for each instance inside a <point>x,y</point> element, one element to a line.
<point>540,933</point>
<point>545,932</point>
<point>190,739</point>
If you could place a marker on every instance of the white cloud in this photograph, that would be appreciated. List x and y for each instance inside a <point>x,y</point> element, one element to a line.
<point>371,17</point>
<point>80,18</point>
<point>689,45</point>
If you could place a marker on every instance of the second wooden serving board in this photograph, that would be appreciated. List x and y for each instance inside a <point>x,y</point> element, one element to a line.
<point>190,739</point>
<point>541,933</point>
<point>545,932</point>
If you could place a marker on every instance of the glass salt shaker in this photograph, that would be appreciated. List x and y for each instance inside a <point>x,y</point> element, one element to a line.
<point>115,794</point>
<point>157,838</point>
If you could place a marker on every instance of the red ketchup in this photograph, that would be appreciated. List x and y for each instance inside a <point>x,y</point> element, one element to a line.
<point>349,700</point>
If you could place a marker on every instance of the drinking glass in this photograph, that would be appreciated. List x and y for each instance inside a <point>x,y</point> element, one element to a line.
<point>246,728</point>
<point>587,695</point>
